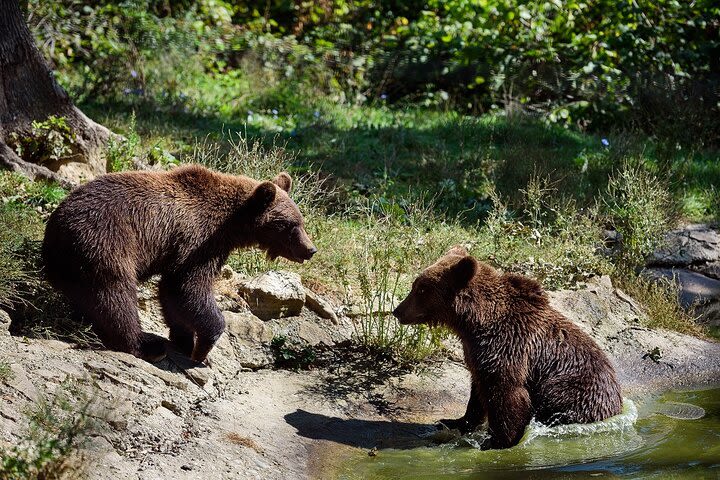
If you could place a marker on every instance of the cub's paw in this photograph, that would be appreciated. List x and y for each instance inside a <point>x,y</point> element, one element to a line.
<point>153,348</point>
<point>182,342</point>
<point>456,424</point>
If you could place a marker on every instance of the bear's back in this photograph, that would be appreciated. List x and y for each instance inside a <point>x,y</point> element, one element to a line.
<point>139,221</point>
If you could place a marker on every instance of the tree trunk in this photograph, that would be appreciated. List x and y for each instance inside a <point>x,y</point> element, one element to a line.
<point>29,92</point>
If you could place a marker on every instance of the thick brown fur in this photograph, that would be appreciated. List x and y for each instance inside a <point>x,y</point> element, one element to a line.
<point>526,360</point>
<point>122,228</point>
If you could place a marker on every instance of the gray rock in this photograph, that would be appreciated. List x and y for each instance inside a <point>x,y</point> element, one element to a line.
<point>693,244</point>
<point>615,322</point>
<point>19,381</point>
<point>249,338</point>
<point>710,269</point>
<point>201,376</point>
<point>5,322</point>
<point>172,406</point>
<point>695,289</point>
<point>312,334</point>
<point>274,295</point>
<point>319,305</point>
<point>247,327</point>
<point>117,416</point>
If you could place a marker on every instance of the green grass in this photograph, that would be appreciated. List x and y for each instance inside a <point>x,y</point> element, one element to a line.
<point>386,190</point>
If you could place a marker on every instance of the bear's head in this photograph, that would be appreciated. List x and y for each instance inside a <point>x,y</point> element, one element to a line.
<point>433,292</point>
<point>279,228</point>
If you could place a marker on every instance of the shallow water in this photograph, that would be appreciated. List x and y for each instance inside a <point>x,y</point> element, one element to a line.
<point>674,436</point>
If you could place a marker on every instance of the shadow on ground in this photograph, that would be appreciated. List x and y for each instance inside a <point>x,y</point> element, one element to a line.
<point>360,433</point>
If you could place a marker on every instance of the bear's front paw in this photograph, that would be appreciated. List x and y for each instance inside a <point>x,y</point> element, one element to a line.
<point>182,342</point>
<point>455,424</point>
<point>153,348</point>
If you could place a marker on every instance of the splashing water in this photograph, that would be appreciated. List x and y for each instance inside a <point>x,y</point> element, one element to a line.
<point>620,422</point>
<point>676,435</point>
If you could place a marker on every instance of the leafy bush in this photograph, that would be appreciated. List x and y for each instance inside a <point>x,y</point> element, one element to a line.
<point>638,205</point>
<point>643,64</point>
<point>48,141</point>
<point>293,357</point>
<point>551,239</point>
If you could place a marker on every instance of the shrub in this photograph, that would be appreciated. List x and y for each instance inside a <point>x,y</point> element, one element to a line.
<point>639,206</point>
<point>551,239</point>
<point>48,141</point>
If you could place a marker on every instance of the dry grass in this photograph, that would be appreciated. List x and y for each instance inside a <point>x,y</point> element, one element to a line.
<point>246,442</point>
<point>660,300</point>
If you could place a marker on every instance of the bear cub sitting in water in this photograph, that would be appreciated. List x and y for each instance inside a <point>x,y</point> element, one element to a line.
<point>526,360</point>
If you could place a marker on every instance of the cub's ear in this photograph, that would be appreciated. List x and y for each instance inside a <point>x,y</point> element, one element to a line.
<point>457,250</point>
<point>262,197</point>
<point>462,272</point>
<point>284,181</point>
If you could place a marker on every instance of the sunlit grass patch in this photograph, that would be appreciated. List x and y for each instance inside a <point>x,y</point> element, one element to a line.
<point>659,297</point>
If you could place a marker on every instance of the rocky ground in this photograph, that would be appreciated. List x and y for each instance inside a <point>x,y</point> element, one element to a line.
<point>691,257</point>
<point>240,418</point>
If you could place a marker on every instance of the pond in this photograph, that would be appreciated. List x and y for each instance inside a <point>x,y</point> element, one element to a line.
<point>675,435</point>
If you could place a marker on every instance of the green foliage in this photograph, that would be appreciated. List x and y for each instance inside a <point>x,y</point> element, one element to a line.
<point>24,205</point>
<point>639,206</point>
<point>389,244</point>
<point>649,65</point>
<point>551,239</point>
<point>120,153</point>
<point>48,141</point>
<point>290,356</point>
<point>58,429</point>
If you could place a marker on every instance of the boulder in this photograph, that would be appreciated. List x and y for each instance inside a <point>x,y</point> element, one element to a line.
<point>691,245</point>
<point>691,257</point>
<point>247,327</point>
<point>319,305</point>
<point>695,288</point>
<point>710,269</point>
<point>249,338</point>
<point>274,295</point>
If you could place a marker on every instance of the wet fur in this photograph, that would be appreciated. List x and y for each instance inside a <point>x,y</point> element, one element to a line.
<point>526,360</point>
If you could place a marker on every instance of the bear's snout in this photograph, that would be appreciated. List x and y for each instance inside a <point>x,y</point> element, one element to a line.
<point>399,313</point>
<point>309,252</point>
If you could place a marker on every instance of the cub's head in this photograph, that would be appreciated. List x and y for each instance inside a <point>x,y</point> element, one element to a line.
<point>433,292</point>
<point>279,228</point>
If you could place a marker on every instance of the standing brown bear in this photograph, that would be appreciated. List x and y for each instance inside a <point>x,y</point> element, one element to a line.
<point>122,228</point>
<point>526,359</point>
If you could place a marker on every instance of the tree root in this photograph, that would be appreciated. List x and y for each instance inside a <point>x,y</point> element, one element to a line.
<point>10,160</point>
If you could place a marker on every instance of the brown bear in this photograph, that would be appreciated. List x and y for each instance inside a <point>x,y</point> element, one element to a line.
<point>122,228</point>
<point>526,360</point>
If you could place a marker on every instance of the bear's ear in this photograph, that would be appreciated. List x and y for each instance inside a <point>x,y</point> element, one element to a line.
<point>284,181</point>
<point>457,250</point>
<point>262,197</point>
<point>463,271</point>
